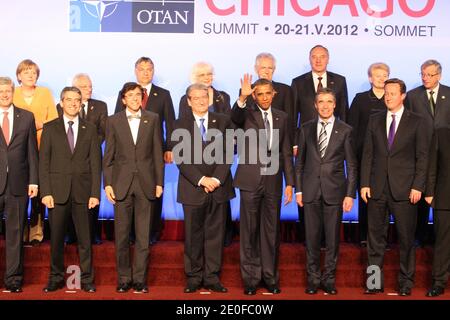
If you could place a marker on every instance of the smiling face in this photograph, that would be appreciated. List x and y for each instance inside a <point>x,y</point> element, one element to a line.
<point>378,77</point>
<point>133,99</point>
<point>325,104</point>
<point>71,104</point>
<point>6,95</point>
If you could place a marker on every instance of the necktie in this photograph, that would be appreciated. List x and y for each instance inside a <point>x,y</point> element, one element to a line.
<point>83,112</point>
<point>323,139</point>
<point>319,85</point>
<point>144,99</point>
<point>133,116</point>
<point>267,127</point>
<point>391,132</point>
<point>203,129</point>
<point>70,136</point>
<point>5,127</point>
<point>432,103</point>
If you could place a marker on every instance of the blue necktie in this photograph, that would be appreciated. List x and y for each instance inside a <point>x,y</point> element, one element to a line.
<point>203,129</point>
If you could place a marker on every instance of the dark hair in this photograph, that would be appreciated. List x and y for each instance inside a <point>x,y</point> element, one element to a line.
<point>143,59</point>
<point>195,86</point>
<point>69,89</point>
<point>401,83</point>
<point>129,86</point>
<point>263,82</point>
<point>325,91</point>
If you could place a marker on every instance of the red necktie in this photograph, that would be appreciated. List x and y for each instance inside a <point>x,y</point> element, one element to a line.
<point>144,99</point>
<point>5,127</point>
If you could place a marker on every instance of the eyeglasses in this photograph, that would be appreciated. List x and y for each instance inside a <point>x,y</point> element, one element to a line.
<point>427,75</point>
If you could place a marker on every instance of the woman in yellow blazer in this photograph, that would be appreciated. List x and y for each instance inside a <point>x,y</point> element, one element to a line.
<point>40,102</point>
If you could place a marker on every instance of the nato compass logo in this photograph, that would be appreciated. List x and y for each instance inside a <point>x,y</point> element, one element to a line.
<point>165,16</point>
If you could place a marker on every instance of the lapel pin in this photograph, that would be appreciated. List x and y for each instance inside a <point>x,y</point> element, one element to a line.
<point>443,97</point>
<point>83,127</point>
<point>276,118</point>
<point>331,82</point>
<point>214,120</point>
<point>335,131</point>
<point>91,108</point>
<point>155,94</point>
<point>145,121</point>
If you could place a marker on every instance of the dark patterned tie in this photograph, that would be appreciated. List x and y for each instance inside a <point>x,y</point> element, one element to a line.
<point>83,112</point>
<point>70,136</point>
<point>432,103</point>
<point>391,132</point>
<point>323,139</point>
<point>319,85</point>
<point>144,98</point>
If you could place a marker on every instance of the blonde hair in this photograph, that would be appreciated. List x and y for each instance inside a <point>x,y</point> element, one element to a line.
<point>378,65</point>
<point>25,65</point>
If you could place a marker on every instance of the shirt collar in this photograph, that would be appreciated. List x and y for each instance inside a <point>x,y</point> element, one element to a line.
<point>197,118</point>
<point>10,109</point>
<point>66,120</point>
<point>128,113</point>
<point>398,114</point>
<point>269,111</point>
<point>435,90</point>
<point>329,121</point>
<point>316,75</point>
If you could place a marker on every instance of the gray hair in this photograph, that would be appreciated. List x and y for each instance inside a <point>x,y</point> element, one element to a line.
<point>432,62</point>
<point>196,68</point>
<point>265,55</point>
<point>79,76</point>
<point>7,81</point>
<point>69,89</point>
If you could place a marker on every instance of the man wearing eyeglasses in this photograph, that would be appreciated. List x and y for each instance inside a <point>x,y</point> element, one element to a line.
<point>432,101</point>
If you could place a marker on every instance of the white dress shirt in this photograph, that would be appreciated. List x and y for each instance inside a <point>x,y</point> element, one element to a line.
<point>435,93</point>
<point>205,123</point>
<point>134,124</point>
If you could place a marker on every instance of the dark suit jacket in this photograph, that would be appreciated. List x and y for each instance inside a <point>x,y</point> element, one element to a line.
<point>160,102</point>
<point>417,101</point>
<point>404,167</point>
<point>63,174</point>
<point>221,104</point>
<point>248,175</point>
<point>283,100</point>
<point>438,181</point>
<point>97,114</point>
<point>305,93</point>
<point>328,174</point>
<point>123,158</point>
<point>19,160</point>
<point>363,106</point>
<point>190,172</point>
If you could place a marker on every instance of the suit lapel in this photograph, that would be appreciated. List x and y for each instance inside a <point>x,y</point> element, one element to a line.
<point>144,126</point>
<point>330,81</point>
<point>313,138</point>
<point>311,87</point>
<point>333,138</point>
<point>151,96</point>
<point>63,134</point>
<point>126,127</point>
<point>16,124</point>
<point>80,135</point>
<point>440,100</point>
<point>402,127</point>
<point>426,101</point>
